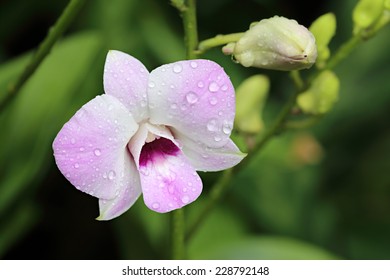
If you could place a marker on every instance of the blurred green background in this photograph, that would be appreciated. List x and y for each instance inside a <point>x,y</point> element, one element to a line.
<point>321,193</point>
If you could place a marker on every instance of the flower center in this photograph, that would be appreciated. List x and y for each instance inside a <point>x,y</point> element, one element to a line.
<point>159,148</point>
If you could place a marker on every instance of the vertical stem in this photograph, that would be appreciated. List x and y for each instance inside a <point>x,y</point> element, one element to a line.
<point>177,234</point>
<point>190,29</point>
<point>188,12</point>
<point>44,48</point>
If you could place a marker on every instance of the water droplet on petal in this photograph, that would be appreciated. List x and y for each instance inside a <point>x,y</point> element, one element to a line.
<point>174,106</point>
<point>192,97</point>
<point>213,87</point>
<point>227,128</point>
<point>200,84</point>
<point>76,165</point>
<point>217,138</point>
<point>224,88</point>
<point>194,64</point>
<point>212,125</point>
<point>82,149</point>
<point>156,205</point>
<point>152,84</point>
<point>185,199</point>
<point>213,100</point>
<point>73,141</point>
<point>111,174</point>
<point>97,152</point>
<point>177,68</point>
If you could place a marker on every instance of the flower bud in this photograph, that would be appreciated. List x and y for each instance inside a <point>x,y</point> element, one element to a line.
<point>321,95</point>
<point>277,43</point>
<point>250,99</point>
<point>323,29</point>
<point>366,13</point>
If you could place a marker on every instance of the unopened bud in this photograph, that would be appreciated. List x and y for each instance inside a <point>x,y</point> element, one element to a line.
<point>323,29</point>
<point>250,99</point>
<point>366,13</point>
<point>321,95</point>
<point>277,43</point>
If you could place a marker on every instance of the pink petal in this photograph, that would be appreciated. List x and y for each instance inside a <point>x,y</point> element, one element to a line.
<point>196,98</point>
<point>91,148</point>
<point>204,158</point>
<point>168,180</point>
<point>126,78</point>
<point>126,196</point>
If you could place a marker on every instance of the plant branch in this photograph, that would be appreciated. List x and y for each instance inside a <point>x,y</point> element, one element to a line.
<point>43,50</point>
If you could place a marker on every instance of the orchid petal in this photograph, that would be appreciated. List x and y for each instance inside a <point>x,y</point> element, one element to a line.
<point>127,195</point>
<point>204,158</point>
<point>168,180</point>
<point>126,78</point>
<point>91,148</point>
<point>196,98</point>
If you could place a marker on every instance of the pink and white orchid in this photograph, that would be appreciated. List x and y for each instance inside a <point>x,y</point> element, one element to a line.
<point>149,133</point>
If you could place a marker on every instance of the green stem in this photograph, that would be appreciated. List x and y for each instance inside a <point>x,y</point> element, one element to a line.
<point>343,51</point>
<point>218,40</point>
<point>190,29</point>
<point>188,13</point>
<point>43,50</point>
<point>177,234</point>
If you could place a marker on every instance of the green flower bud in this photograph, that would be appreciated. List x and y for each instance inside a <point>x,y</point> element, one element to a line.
<point>366,13</point>
<point>250,99</point>
<point>321,95</point>
<point>323,29</point>
<point>277,43</point>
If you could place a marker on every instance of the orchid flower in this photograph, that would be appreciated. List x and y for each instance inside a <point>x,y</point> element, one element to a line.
<point>149,133</point>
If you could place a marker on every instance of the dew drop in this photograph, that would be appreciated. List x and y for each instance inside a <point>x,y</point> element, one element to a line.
<point>224,88</point>
<point>212,125</point>
<point>152,84</point>
<point>156,205</point>
<point>227,128</point>
<point>73,141</point>
<point>67,175</point>
<point>217,138</point>
<point>82,149</point>
<point>177,68</point>
<point>111,175</point>
<point>76,165</point>
<point>192,97</point>
<point>185,199</point>
<point>97,152</point>
<point>174,106</point>
<point>213,100</point>
<point>200,84</point>
<point>194,64</point>
<point>143,103</point>
<point>213,87</point>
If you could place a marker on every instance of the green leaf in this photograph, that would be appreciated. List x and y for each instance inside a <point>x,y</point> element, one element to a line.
<point>46,101</point>
<point>268,248</point>
<point>323,29</point>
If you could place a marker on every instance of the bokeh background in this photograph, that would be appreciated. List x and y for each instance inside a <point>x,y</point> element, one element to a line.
<point>319,193</point>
